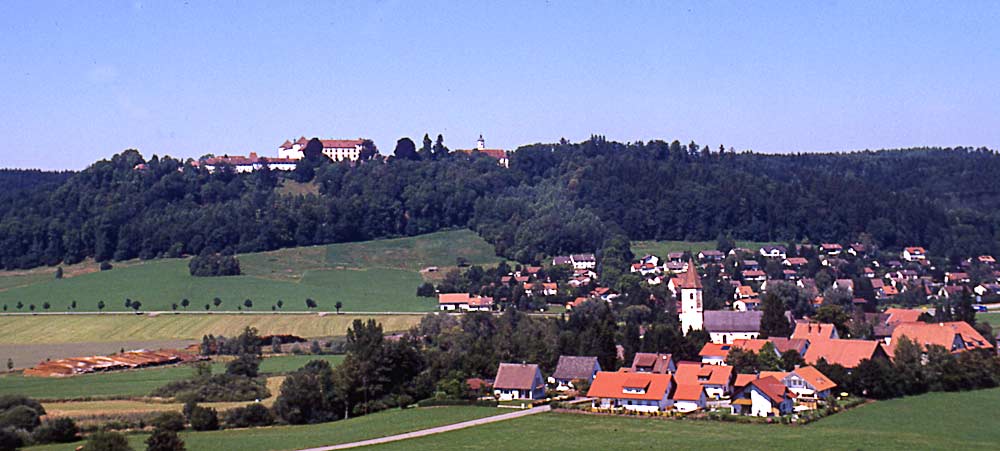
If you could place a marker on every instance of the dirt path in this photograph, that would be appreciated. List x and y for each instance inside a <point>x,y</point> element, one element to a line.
<point>432,431</point>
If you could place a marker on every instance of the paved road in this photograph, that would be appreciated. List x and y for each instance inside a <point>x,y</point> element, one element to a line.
<point>432,431</point>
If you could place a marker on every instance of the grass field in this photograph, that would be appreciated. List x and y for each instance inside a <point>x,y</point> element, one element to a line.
<point>135,383</point>
<point>662,248</point>
<point>991,317</point>
<point>124,328</point>
<point>27,355</point>
<point>298,437</point>
<point>935,421</point>
<point>371,276</point>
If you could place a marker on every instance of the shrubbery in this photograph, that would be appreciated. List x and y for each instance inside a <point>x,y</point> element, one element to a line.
<point>203,418</point>
<point>59,430</point>
<point>213,265</point>
<point>249,416</point>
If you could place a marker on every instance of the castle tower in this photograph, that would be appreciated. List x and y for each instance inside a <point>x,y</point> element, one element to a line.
<point>481,144</point>
<point>691,315</point>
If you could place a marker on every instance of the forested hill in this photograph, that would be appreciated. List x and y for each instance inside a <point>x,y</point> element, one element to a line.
<point>554,199</point>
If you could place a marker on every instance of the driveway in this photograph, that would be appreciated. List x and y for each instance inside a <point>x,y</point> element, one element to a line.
<point>436,430</point>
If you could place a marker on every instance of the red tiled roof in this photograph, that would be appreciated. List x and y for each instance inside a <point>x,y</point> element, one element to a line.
<point>609,384</point>
<point>454,298</point>
<point>902,315</point>
<point>690,277</point>
<point>846,353</point>
<point>818,380</point>
<point>697,373</point>
<point>688,392</point>
<point>813,331</point>
<point>772,388</point>
<point>941,334</point>
<point>341,143</point>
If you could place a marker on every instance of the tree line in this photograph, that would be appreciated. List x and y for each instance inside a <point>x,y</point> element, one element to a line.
<point>593,196</point>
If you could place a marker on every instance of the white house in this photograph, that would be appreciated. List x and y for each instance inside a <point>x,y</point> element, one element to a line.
<point>689,398</point>
<point>912,254</point>
<point>774,252</point>
<point>726,326</point>
<point>807,382</point>
<point>764,398</point>
<point>642,392</point>
<point>583,261</point>
<point>334,149</point>
<point>464,302</point>
<point>519,381</point>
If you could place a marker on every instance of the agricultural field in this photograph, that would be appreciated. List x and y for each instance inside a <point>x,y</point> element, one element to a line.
<point>371,276</point>
<point>56,329</point>
<point>282,438</point>
<point>134,383</point>
<point>934,421</point>
<point>662,248</point>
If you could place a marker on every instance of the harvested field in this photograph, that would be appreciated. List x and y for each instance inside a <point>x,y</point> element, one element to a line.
<point>53,329</point>
<point>114,362</point>
<point>26,355</point>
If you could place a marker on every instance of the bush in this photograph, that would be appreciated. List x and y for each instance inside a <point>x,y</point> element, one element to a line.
<point>59,430</point>
<point>9,401</point>
<point>20,417</point>
<point>204,419</point>
<point>106,266</point>
<point>214,265</point>
<point>249,416</point>
<point>10,440</point>
<point>217,388</point>
<point>170,421</point>
<point>106,441</point>
<point>164,440</point>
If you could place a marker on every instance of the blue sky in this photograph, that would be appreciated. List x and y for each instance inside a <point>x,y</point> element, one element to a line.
<point>80,81</point>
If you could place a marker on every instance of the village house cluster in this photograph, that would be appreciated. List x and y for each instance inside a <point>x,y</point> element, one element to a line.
<point>658,383</point>
<point>290,152</point>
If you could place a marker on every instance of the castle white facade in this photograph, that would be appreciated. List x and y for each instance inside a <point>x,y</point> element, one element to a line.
<point>334,149</point>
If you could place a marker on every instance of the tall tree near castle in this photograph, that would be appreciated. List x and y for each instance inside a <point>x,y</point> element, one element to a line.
<point>774,323</point>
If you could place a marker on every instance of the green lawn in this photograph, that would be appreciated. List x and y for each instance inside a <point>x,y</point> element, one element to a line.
<point>934,421</point>
<point>372,276</point>
<point>662,248</point>
<point>990,317</point>
<point>131,383</point>
<point>296,437</point>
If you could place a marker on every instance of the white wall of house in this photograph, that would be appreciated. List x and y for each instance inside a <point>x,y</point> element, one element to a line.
<point>728,337</point>
<point>689,406</point>
<point>713,360</point>
<point>637,405</point>
<point>715,391</point>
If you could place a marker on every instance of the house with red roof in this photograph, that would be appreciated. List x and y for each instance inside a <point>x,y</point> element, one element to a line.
<point>645,362</point>
<point>764,397</point>
<point>846,353</point>
<point>464,302</point>
<point>519,381</point>
<point>808,383</point>
<point>955,336</point>
<point>641,392</point>
<point>717,380</point>
<point>914,253</point>
<point>815,331</point>
<point>334,149</point>
<point>689,397</point>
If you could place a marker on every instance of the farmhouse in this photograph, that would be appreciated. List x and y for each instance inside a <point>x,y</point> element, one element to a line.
<point>689,397</point>
<point>807,382</point>
<point>519,381</point>
<point>913,254</point>
<point>774,252</point>
<point>642,392</point>
<point>725,326</point>
<point>574,368</point>
<point>583,261</point>
<point>464,302</point>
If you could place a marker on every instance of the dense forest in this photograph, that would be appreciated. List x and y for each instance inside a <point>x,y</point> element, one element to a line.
<point>554,199</point>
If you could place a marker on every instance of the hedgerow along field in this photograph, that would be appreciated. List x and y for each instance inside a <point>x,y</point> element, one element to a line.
<point>133,383</point>
<point>935,421</point>
<point>281,438</point>
<point>371,276</point>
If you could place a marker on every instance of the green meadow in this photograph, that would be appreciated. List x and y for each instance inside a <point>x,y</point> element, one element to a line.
<point>935,421</point>
<point>372,276</point>
<point>280,438</point>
